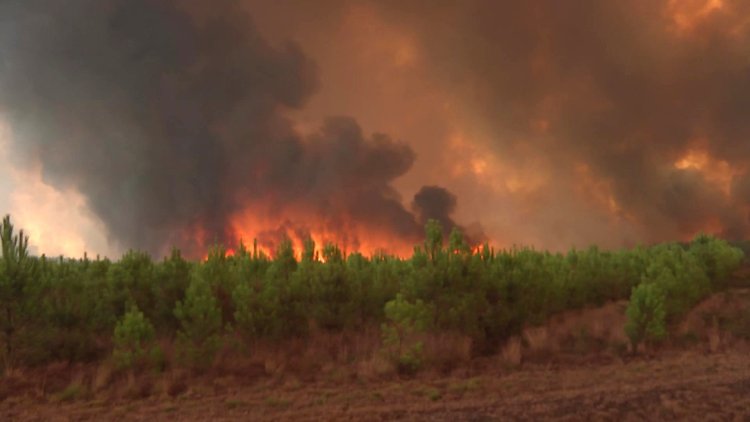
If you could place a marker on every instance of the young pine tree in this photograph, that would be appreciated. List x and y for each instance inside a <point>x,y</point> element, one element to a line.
<point>17,307</point>
<point>646,315</point>
<point>405,322</point>
<point>134,341</point>
<point>199,314</point>
<point>256,310</point>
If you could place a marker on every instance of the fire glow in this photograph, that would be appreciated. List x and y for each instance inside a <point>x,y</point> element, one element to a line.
<point>686,14</point>
<point>718,172</point>
<point>544,123</point>
<point>266,233</point>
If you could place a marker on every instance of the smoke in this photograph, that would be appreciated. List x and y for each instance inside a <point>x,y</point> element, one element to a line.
<point>624,93</point>
<point>170,118</point>
<point>556,123</point>
<point>434,202</point>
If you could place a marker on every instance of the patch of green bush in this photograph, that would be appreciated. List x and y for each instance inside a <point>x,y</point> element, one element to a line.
<point>646,315</point>
<point>405,321</point>
<point>135,343</point>
<point>199,335</point>
<point>68,309</point>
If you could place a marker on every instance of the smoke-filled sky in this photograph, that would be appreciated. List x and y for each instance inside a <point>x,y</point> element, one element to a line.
<point>146,124</point>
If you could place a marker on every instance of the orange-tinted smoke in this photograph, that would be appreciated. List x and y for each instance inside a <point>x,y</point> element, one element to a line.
<point>577,121</point>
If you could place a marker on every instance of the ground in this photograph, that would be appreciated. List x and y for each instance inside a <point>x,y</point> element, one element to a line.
<point>575,367</point>
<point>685,385</point>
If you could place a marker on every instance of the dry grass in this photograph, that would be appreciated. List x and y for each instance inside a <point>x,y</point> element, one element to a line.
<point>103,376</point>
<point>714,321</point>
<point>684,386</point>
<point>512,353</point>
<point>446,351</point>
<point>584,332</point>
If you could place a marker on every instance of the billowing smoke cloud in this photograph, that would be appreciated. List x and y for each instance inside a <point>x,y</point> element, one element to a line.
<point>437,203</point>
<point>556,123</point>
<point>649,98</point>
<point>434,202</point>
<point>169,116</point>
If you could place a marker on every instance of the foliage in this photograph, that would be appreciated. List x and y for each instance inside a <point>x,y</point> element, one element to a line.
<point>199,336</point>
<point>716,257</point>
<point>173,280</point>
<point>75,309</point>
<point>68,309</point>
<point>256,305</point>
<point>17,292</point>
<point>134,341</point>
<point>646,314</point>
<point>405,321</point>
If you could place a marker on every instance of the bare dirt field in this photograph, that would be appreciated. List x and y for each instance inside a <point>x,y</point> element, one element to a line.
<point>684,386</point>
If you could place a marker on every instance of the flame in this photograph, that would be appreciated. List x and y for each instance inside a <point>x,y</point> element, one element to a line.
<point>268,229</point>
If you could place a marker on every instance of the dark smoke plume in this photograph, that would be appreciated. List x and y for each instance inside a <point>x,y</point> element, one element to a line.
<point>169,116</point>
<point>438,203</point>
<point>625,87</point>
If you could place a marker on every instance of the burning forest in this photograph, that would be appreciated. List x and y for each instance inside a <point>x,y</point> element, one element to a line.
<point>313,209</point>
<point>170,119</point>
<point>178,123</point>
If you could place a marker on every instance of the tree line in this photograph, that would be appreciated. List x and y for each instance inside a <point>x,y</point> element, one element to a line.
<point>80,310</point>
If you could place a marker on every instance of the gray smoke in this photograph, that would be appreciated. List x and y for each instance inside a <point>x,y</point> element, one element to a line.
<point>169,116</point>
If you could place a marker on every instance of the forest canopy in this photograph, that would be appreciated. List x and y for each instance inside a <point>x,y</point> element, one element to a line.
<point>86,309</point>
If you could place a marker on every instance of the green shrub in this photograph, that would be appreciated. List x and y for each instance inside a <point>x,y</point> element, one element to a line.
<point>134,342</point>
<point>331,291</point>
<point>405,321</point>
<point>716,256</point>
<point>646,315</point>
<point>199,336</point>
<point>256,310</point>
<point>62,309</point>
<point>18,291</point>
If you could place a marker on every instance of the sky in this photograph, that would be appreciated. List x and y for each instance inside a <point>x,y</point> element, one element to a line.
<point>135,124</point>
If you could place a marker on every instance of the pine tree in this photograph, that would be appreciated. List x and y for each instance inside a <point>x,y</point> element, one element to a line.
<point>134,340</point>
<point>405,321</point>
<point>433,243</point>
<point>646,314</point>
<point>17,270</point>
<point>199,337</point>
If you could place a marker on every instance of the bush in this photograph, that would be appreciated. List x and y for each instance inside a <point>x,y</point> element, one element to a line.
<point>406,321</point>
<point>65,309</point>
<point>199,336</point>
<point>256,310</point>
<point>134,342</point>
<point>331,291</point>
<point>18,288</point>
<point>646,315</point>
<point>717,257</point>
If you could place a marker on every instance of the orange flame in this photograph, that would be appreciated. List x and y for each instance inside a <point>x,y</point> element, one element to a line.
<point>267,230</point>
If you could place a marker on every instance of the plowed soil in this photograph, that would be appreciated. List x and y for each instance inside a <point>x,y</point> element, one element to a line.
<point>682,386</point>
